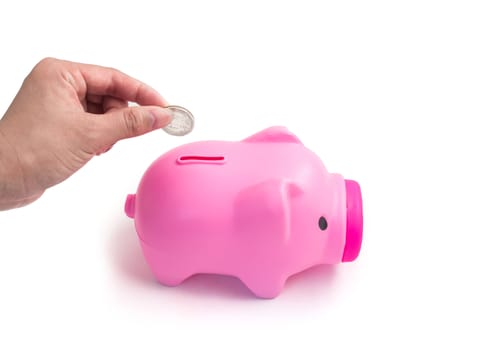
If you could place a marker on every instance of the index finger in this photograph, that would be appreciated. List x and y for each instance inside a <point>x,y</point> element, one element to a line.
<point>109,81</point>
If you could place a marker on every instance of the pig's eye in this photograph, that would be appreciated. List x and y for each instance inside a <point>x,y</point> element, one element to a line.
<point>322,223</point>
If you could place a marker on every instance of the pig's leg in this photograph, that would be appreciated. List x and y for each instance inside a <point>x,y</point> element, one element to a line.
<point>170,277</point>
<point>265,285</point>
<point>167,270</point>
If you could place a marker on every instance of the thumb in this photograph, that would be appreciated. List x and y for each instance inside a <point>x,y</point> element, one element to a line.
<point>132,121</point>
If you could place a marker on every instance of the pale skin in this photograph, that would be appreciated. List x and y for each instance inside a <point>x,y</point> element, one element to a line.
<point>64,114</point>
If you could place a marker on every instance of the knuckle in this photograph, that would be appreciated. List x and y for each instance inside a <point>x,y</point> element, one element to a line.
<point>45,63</point>
<point>44,67</point>
<point>48,60</point>
<point>132,121</point>
<point>113,70</point>
<point>91,131</point>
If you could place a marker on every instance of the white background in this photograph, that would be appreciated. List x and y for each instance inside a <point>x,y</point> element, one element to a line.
<point>390,93</point>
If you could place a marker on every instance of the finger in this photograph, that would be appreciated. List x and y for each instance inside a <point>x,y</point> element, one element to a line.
<point>94,108</point>
<point>110,103</point>
<point>108,81</point>
<point>94,98</point>
<point>129,122</point>
<point>103,104</point>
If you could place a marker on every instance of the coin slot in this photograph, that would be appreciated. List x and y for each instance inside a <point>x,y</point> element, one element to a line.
<point>201,159</point>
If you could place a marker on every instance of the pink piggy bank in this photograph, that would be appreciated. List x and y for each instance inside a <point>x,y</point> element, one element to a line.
<point>261,209</point>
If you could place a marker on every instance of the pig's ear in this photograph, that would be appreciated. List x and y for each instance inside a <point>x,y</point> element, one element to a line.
<point>273,134</point>
<point>263,211</point>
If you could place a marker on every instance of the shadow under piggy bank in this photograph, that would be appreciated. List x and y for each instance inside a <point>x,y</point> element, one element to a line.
<point>127,257</point>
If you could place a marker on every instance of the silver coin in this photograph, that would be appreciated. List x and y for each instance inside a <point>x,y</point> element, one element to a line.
<point>182,121</point>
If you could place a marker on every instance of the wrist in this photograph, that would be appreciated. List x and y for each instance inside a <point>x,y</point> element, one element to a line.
<point>9,174</point>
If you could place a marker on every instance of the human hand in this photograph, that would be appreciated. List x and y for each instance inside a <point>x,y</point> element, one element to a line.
<point>64,114</point>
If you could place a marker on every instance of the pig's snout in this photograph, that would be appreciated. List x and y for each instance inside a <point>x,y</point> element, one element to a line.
<point>355,220</point>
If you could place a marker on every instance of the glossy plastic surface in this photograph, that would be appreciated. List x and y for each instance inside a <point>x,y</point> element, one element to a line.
<point>261,209</point>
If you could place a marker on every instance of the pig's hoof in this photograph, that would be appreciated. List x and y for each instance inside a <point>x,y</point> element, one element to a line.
<point>267,288</point>
<point>171,280</point>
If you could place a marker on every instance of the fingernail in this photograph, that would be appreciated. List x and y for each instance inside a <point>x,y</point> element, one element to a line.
<point>161,117</point>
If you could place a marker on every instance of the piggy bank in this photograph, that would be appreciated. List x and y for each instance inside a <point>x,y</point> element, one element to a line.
<point>260,209</point>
